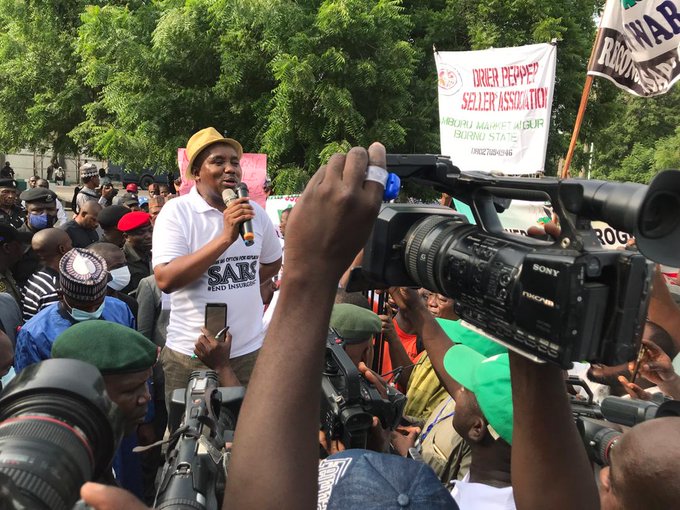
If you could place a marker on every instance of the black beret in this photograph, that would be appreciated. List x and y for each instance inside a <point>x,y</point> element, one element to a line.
<point>111,215</point>
<point>129,199</point>
<point>8,183</point>
<point>38,195</point>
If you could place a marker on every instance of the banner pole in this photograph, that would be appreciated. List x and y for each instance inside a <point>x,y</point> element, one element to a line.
<point>577,126</point>
<point>582,108</point>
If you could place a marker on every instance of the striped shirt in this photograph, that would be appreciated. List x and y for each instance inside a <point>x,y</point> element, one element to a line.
<point>40,291</point>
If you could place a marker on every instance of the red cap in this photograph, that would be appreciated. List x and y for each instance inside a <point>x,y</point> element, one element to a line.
<point>132,187</point>
<point>133,220</point>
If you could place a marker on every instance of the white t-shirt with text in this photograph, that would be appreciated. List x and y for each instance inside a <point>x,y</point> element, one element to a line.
<point>186,224</point>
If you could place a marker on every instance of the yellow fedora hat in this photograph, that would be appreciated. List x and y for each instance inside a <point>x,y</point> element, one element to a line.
<point>204,138</point>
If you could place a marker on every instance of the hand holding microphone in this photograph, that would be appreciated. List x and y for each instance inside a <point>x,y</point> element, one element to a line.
<point>243,218</point>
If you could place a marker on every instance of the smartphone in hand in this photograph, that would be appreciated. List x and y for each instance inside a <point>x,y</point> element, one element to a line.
<point>216,319</point>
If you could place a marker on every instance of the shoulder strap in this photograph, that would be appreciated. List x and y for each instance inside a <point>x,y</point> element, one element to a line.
<point>453,463</point>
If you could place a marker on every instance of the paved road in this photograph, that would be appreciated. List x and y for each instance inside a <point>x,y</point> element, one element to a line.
<point>65,193</point>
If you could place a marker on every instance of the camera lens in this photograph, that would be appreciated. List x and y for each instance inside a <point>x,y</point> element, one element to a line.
<point>58,429</point>
<point>602,444</point>
<point>427,243</point>
<point>655,220</point>
<point>598,439</point>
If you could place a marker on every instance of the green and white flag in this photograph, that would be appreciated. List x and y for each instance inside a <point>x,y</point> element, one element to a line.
<point>638,46</point>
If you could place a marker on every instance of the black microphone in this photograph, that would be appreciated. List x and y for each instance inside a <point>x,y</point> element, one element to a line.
<point>246,227</point>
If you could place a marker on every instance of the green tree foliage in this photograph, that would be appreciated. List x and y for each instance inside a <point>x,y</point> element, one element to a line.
<point>295,80</point>
<point>341,81</point>
<point>641,138</point>
<point>154,67</point>
<point>129,81</point>
<point>41,97</point>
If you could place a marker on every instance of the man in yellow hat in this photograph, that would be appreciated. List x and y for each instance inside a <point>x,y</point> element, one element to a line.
<point>200,258</point>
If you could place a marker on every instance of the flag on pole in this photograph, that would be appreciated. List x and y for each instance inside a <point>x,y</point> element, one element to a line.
<point>638,46</point>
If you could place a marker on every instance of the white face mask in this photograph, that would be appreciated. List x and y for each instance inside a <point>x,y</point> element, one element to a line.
<point>120,278</point>
<point>7,377</point>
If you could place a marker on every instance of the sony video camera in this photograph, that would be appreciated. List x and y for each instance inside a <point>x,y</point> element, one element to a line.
<point>349,402</point>
<point>559,301</point>
<point>194,474</point>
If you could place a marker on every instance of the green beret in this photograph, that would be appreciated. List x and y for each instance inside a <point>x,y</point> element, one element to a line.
<point>353,323</point>
<point>38,195</point>
<point>111,347</point>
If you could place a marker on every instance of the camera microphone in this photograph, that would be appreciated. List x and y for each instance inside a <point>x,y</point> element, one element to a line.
<point>246,228</point>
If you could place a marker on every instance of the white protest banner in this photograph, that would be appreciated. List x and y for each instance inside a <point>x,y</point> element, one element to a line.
<point>522,214</point>
<point>638,44</point>
<point>276,204</point>
<point>494,107</point>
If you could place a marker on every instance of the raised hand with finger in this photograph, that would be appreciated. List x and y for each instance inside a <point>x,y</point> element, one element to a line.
<point>387,326</point>
<point>335,213</point>
<point>329,224</point>
<point>410,305</point>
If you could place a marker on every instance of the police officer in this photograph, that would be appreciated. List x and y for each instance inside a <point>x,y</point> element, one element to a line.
<point>41,209</point>
<point>41,213</point>
<point>10,212</point>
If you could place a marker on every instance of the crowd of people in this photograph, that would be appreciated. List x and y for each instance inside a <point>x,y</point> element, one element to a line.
<point>126,290</point>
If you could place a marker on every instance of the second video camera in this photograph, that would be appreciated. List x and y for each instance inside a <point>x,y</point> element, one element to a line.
<point>194,474</point>
<point>349,402</point>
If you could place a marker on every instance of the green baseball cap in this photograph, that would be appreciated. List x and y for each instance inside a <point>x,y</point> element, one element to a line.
<point>461,334</point>
<point>489,379</point>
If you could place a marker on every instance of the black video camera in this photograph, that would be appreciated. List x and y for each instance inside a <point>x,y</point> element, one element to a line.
<point>349,402</point>
<point>58,430</point>
<point>194,474</point>
<point>559,301</point>
<point>599,437</point>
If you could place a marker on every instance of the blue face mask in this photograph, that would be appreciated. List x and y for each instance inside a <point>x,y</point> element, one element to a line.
<point>40,221</point>
<point>80,315</point>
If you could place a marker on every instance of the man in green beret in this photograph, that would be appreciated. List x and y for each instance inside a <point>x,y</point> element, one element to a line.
<point>356,326</point>
<point>125,359</point>
<point>123,356</point>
